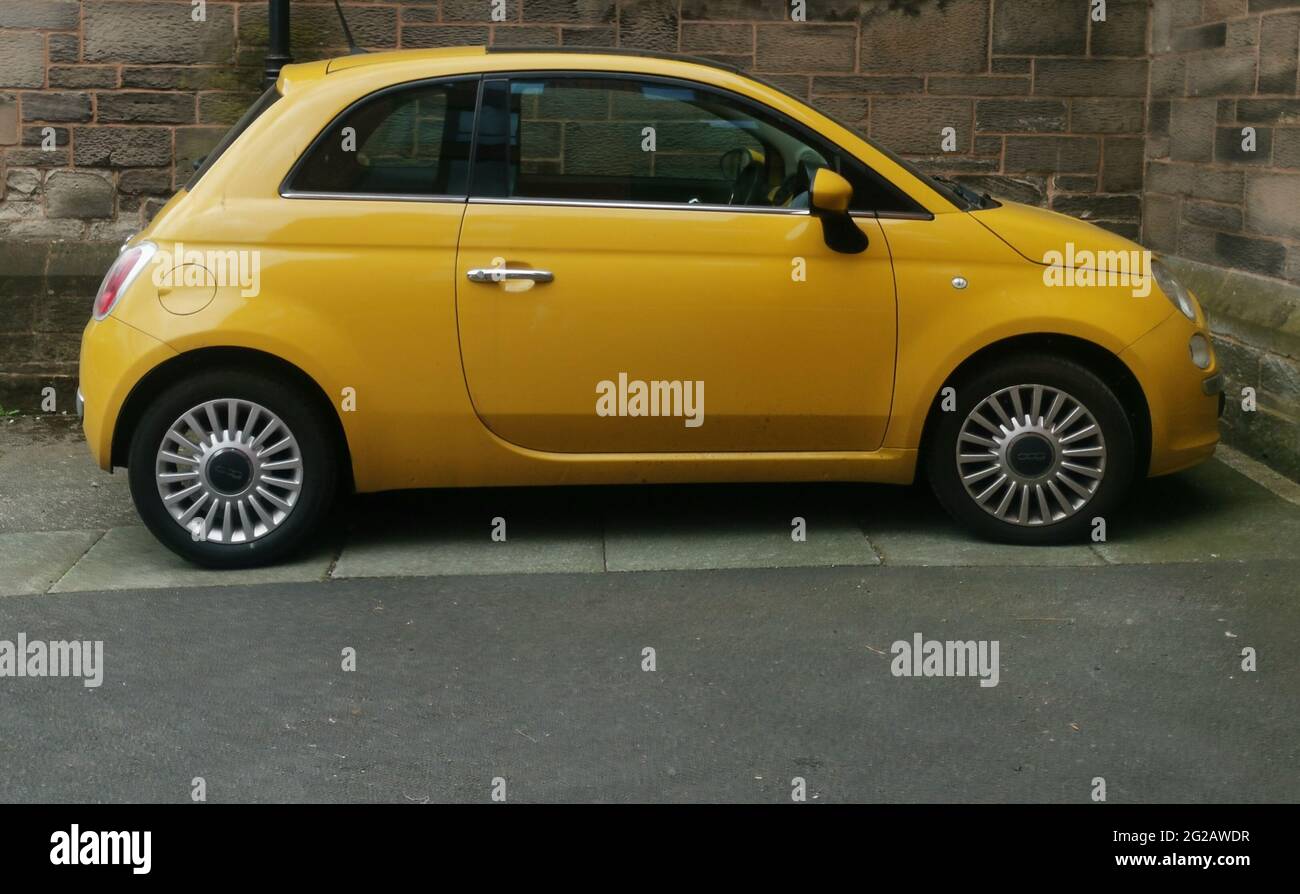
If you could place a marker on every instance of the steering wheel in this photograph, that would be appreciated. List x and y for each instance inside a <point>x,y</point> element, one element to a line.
<point>746,173</point>
<point>795,185</point>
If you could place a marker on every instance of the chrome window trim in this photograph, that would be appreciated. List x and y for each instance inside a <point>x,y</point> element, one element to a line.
<point>586,203</point>
<point>683,206</point>
<point>652,206</point>
<point>369,196</point>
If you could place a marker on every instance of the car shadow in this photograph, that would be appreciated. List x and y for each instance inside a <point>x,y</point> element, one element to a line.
<point>1210,510</point>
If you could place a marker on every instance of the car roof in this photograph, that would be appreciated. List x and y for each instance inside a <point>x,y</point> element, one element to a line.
<point>468,60</point>
<point>527,54</point>
<point>475,60</point>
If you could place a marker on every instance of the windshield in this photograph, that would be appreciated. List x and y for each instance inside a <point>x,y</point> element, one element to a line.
<point>958,194</point>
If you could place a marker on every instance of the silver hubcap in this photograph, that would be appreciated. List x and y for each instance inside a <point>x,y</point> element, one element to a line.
<point>1031,455</point>
<point>229,471</point>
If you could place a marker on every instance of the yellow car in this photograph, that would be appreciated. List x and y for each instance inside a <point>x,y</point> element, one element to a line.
<point>470,267</point>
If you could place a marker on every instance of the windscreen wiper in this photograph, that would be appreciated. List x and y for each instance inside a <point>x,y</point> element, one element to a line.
<point>970,196</point>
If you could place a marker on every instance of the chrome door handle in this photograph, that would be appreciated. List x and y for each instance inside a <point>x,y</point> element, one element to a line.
<point>501,274</point>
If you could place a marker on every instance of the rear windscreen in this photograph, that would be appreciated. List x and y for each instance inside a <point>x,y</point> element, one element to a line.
<point>263,103</point>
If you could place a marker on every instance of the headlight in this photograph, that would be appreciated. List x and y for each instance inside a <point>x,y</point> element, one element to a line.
<point>1174,291</point>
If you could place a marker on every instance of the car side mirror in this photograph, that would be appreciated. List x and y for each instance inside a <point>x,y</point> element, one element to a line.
<point>829,201</point>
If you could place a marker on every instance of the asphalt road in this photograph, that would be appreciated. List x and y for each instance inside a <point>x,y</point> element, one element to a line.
<point>1131,673</point>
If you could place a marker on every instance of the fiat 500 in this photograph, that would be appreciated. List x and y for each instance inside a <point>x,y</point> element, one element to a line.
<point>469,267</point>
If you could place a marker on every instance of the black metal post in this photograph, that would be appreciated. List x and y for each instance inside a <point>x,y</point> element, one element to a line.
<point>277,48</point>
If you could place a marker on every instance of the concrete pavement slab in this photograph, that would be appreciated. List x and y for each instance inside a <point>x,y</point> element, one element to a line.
<point>942,545</point>
<point>131,559</point>
<point>1259,473</point>
<point>31,562</point>
<point>1208,513</point>
<point>909,527</point>
<point>441,551</point>
<point>430,533</point>
<point>728,541</point>
<point>735,526</point>
<point>48,482</point>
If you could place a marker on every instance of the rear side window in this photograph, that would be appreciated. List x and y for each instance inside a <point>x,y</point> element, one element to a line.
<point>264,102</point>
<point>411,140</point>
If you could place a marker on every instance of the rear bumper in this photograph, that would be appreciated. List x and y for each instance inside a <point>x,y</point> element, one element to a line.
<point>114,358</point>
<point>1185,402</point>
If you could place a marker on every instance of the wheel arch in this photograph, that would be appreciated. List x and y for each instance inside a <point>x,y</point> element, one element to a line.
<point>200,359</point>
<point>1106,364</point>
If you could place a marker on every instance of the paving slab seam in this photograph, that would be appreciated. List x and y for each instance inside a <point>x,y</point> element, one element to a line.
<point>871,545</point>
<point>334,561</point>
<point>68,570</point>
<point>1101,555</point>
<point>604,543</point>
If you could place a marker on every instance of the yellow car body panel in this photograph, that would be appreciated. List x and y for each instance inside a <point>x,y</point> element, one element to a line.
<point>783,363</point>
<point>1005,297</point>
<point>453,383</point>
<point>1184,419</point>
<point>120,356</point>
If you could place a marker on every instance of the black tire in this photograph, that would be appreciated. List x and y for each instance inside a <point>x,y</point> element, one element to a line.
<point>319,466</point>
<point>1032,369</point>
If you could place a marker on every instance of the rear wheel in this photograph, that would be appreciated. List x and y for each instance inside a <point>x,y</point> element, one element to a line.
<point>1037,447</point>
<point>231,469</point>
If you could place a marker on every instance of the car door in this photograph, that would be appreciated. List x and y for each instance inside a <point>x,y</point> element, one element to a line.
<point>638,272</point>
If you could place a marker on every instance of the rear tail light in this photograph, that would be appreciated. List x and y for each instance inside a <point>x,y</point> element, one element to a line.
<point>120,276</point>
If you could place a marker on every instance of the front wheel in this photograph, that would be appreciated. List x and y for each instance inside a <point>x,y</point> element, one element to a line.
<point>1035,449</point>
<point>230,469</point>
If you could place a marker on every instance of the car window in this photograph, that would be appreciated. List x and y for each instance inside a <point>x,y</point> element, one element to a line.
<point>884,197</point>
<point>594,138</point>
<point>413,140</point>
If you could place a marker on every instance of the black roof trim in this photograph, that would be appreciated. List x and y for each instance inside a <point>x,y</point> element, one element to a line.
<point>621,51</point>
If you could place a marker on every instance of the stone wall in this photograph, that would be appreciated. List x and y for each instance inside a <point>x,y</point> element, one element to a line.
<point>45,293</point>
<point>105,104</point>
<point>1222,191</point>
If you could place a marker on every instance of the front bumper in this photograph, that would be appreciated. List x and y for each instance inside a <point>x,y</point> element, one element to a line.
<point>1214,386</point>
<point>1185,402</point>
